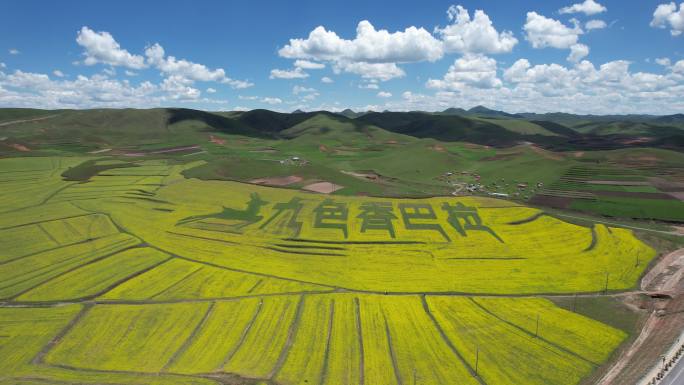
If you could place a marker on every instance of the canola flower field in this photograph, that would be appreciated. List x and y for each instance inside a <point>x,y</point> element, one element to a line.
<point>141,276</point>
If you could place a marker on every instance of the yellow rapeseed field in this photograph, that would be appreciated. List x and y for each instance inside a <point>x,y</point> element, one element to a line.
<point>141,276</point>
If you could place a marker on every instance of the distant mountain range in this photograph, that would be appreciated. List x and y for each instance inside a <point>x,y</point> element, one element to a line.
<point>483,111</point>
<point>478,125</point>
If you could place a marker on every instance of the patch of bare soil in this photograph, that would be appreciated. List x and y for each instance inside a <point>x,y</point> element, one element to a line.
<point>20,147</point>
<point>438,148</point>
<point>278,181</point>
<point>363,175</point>
<point>217,140</point>
<point>391,142</point>
<point>677,194</point>
<point>475,146</point>
<point>323,148</point>
<point>552,201</point>
<point>176,149</point>
<point>369,176</point>
<point>323,187</point>
<point>637,140</point>
<point>100,151</point>
<point>26,120</point>
<point>578,154</point>
<point>666,274</point>
<point>666,185</point>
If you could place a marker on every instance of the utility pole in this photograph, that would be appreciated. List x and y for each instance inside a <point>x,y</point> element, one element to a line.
<point>637,261</point>
<point>536,332</point>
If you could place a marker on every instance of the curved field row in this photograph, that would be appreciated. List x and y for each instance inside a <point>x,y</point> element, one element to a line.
<point>545,255</point>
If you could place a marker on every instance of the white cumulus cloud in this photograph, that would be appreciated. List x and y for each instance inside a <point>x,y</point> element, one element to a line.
<point>471,70</point>
<point>302,90</point>
<point>595,24</point>
<point>327,80</point>
<point>369,86</point>
<point>384,94</point>
<point>13,51</point>
<point>271,101</point>
<point>663,61</point>
<point>296,73</point>
<point>667,16</point>
<point>100,47</point>
<point>371,53</point>
<point>58,73</point>
<point>476,35</point>
<point>678,67</point>
<point>370,45</point>
<point>170,66</point>
<point>377,71</point>
<point>578,52</point>
<point>588,7</point>
<point>544,32</point>
<point>179,87</point>
<point>308,65</point>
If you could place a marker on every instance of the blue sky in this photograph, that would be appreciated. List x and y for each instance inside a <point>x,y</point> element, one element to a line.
<point>584,56</point>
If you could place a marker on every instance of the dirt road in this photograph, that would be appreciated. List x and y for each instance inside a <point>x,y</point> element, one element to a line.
<point>27,120</point>
<point>665,277</point>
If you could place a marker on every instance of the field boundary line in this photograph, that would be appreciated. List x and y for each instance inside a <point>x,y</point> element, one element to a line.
<point>42,229</point>
<point>359,335</point>
<point>292,333</point>
<point>44,201</point>
<point>39,358</point>
<point>125,279</point>
<point>174,284</point>
<point>49,220</point>
<point>594,240</point>
<point>188,341</point>
<point>528,219</point>
<point>616,224</point>
<point>246,271</point>
<point>243,336</point>
<point>559,347</point>
<point>258,283</point>
<point>426,307</point>
<point>392,353</point>
<point>53,249</point>
<point>124,230</point>
<point>95,260</point>
<point>324,370</point>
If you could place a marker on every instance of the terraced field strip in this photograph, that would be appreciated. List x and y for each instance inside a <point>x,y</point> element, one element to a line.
<point>94,279</point>
<point>26,331</point>
<point>23,275</point>
<point>136,338</point>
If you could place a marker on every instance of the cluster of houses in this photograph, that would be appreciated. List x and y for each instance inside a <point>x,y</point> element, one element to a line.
<point>499,188</point>
<point>294,161</point>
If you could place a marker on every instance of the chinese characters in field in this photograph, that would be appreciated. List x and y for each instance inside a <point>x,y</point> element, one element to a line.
<point>370,216</point>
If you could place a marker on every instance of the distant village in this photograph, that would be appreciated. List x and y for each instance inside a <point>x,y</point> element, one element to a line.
<point>501,188</point>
